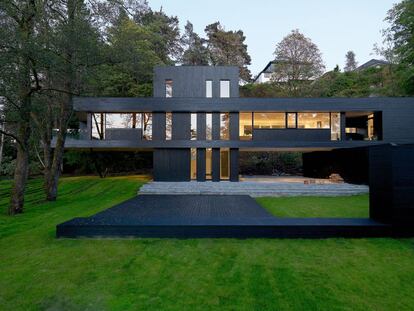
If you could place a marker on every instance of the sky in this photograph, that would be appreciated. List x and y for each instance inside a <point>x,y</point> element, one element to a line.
<point>336,26</point>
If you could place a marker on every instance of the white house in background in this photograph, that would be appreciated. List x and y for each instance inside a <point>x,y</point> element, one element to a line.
<point>373,63</point>
<point>265,75</point>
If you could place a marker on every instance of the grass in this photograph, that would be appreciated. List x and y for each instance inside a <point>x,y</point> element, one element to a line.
<point>344,207</point>
<point>39,272</point>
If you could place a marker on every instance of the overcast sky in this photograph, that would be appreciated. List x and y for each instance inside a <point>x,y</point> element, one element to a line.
<point>336,26</point>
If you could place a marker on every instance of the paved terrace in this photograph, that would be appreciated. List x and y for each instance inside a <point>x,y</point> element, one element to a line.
<point>274,187</point>
<point>210,216</point>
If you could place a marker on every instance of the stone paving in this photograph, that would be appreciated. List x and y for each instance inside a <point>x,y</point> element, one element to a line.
<point>254,189</point>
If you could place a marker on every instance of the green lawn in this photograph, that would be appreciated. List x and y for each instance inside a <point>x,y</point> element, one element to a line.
<point>39,272</point>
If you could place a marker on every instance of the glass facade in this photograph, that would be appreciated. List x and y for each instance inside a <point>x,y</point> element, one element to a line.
<point>291,120</point>
<point>147,126</point>
<point>224,163</point>
<point>245,125</point>
<point>314,120</point>
<point>193,163</point>
<point>269,120</point>
<point>209,153</point>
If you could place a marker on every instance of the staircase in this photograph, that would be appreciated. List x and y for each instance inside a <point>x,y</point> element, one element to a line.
<point>254,189</point>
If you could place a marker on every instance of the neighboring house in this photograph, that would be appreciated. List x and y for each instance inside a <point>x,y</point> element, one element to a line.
<point>373,63</point>
<point>196,124</point>
<point>265,75</point>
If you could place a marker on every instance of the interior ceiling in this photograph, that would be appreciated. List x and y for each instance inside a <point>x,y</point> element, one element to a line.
<point>353,114</point>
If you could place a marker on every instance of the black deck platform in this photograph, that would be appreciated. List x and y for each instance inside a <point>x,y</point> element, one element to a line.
<point>210,216</point>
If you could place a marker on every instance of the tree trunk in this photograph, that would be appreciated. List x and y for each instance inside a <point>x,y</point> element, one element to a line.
<point>22,166</point>
<point>1,143</point>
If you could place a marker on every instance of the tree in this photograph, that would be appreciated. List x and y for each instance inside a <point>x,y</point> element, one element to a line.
<point>350,62</point>
<point>18,84</point>
<point>228,48</point>
<point>399,43</point>
<point>297,61</point>
<point>195,50</point>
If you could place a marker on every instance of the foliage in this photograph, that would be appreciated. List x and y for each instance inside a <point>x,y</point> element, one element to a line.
<point>195,50</point>
<point>297,60</point>
<point>270,163</point>
<point>207,274</point>
<point>350,62</point>
<point>228,48</point>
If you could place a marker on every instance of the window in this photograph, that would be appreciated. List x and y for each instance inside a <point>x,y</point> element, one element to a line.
<point>224,126</point>
<point>118,120</point>
<point>313,120</point>
<point>98,127</point>
<point>291,120</point>
<point>224,163</point>
<point>168,88</point>
<point>245,125</point>
<point>269,120</point>
<point>208,163</point>
<point>370,127</point>
<point>193,126</point>
<point>168,126</point>
<point>335,126</point>
<point>209,88</point>
<point>209,126</point>
<point>224,88</point>
<point>147,126</point>
<point>193,163</point>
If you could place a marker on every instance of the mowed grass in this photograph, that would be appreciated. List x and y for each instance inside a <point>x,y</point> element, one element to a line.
<point>345,207</point>
<point>40,272</point>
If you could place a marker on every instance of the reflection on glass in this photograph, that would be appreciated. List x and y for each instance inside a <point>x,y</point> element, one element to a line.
<point>245,125</point>
<point>335,126</point>
<point>224,126</point>
<point>168,88</point>
<point>147,126</point>
<point>291,120</point>
<point>208,163</point>
<point>209,88</point>
<point>269,120</point>
<point>224,88</point>
<point>98,127</point>
<point>193,126</point>
<point>168,126</point>
<point>313,120</point>
<point>370,124</point>
<point>193,163</point>
<point>209,126</point>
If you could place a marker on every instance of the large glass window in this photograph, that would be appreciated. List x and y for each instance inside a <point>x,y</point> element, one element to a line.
<point>193,126</point>
<point>209,88</point>
<point>313,120</point>
<point>245,125</point>
<point>168,88</point>
<point>209,126</point>
<point>168,126</point>
<point>269,120</point>
<point>224,88</point>
<point>335,126</point>
<point>119,120</point>
<point>224,126</point>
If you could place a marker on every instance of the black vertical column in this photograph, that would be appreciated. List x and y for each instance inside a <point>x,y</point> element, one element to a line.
<point>215,164</point>
<point>201,164</point>
<point>343,126</point>
<point>89,126</point>
<point>158,125</point>
<point>216,125</point>
<point>234,126</point>
<point>234,164</point>
<point>201,126</point>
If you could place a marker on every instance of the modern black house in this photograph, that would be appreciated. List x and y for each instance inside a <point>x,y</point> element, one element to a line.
<point>196,124</point>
